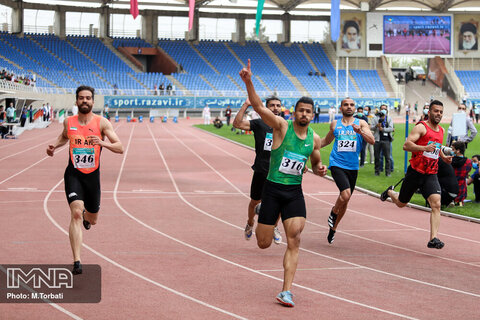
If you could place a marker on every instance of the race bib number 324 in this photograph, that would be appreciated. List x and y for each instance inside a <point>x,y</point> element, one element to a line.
<point>84,157</point>
<point>292,163</point>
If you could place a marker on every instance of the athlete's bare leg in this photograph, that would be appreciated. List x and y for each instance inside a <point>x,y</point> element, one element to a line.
<point>75,229</point>
<point>264,234</point>
<point>341,206</point>
<point>394,196</point>
<point>251,211</point>
<point>293,228</point>
<point>435,203</point>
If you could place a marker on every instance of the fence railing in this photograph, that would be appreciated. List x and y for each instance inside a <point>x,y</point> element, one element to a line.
<point>8,85</point>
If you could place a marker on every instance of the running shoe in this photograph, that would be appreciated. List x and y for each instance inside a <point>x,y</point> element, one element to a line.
<point>257,208</point>
<point>331,235</point>
<point>277,236</point>
<point>248,232</point>
<point>285,298</point>
<point>331,219</point>
<point>435,243</point>
<point>86,224</point>
<point>384,195</point>
<point>77,268</point>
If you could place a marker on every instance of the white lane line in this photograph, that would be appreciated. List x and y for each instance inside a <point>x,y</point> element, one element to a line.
<point>113,262</point>
<point>237,227</point>
<point>24,150</point>
<point>310,195</point>
<point>17,141</point>
<point>381,271</point>
<point>313,269</point>
<point>54,305</point>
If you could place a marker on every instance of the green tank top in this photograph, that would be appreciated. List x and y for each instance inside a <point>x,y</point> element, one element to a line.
<point>288,161</point>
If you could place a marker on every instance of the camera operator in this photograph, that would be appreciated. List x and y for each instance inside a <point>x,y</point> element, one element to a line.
<point>217,123</point>
<point>382,127</point>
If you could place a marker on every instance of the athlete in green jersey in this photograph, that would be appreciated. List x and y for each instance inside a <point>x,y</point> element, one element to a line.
<point>293,143</point>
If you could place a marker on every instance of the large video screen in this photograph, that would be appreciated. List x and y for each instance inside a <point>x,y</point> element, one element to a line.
<point>423,35</point>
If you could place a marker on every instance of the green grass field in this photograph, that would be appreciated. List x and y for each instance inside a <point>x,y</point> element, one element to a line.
<point>366,177</point>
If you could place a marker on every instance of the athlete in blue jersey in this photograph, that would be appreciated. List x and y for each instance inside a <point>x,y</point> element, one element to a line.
<point>350,134</point>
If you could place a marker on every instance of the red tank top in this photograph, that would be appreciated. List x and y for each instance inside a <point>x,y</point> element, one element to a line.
<point>84,156</point>
<point>427,162</point>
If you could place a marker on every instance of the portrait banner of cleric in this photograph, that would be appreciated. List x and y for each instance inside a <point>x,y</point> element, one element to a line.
<point>468,36</point>
<point>351,38</point>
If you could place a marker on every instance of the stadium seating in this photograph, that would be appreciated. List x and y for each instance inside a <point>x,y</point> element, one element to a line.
<point>130,42</point>
<point>470,81</point>
<point>87,60</point>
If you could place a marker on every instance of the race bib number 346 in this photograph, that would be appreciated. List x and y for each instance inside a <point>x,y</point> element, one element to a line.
<point>292,163</point>
<point>84,157</point>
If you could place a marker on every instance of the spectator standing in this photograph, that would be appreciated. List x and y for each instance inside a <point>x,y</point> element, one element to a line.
<point>169,89</point>
<point>23,116</point>
<point>382,127</point>
<point>206,115</point>
<point>466,138</point>
<point>476,110</point>
<point>3,117</point>
<point>331,114</point>
<point>360,115</point>
<point>74,110</point>
<point>10,112</point>
<point>155,90</point>
<point>475,177</point>
<point>462,166</point>
<point>316,118</point>
<point>228,114</point>
<point>368,112</point>
<point>30,113</point>
<point>161,87</point>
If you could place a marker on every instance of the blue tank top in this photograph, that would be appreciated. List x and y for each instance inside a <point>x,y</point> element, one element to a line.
<point>347,146</point>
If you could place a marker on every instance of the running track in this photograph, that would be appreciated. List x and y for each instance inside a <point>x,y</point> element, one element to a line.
<point>170,239</point>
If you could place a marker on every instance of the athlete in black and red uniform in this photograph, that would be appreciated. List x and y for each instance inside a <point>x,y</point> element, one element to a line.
<point>424,142</point>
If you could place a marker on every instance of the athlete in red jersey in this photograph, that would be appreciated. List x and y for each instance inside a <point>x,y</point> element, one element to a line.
<point>424,142</point>
<point>86,133</point>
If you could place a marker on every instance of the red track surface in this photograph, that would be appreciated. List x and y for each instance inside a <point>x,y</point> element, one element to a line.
<point>417,45</point>
<point>170,239</point>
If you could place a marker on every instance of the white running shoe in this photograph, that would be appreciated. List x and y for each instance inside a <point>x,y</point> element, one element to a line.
<point>277,236</point>
<point>248,232</point>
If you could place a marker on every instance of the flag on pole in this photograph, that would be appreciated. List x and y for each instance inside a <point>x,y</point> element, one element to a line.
<point>134,8</point>
<point>335,20</point>
<point>259,15</point>
<point>191,12</point>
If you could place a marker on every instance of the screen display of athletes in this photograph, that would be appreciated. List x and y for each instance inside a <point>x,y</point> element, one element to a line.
<point>417,34</point>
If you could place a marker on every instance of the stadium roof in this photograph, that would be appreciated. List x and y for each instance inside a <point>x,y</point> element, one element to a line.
<point>278,6</point>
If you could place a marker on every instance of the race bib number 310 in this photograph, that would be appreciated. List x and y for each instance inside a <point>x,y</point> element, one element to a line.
<point>434,154</point>
<point>84,157</point>
<point>292,163</point>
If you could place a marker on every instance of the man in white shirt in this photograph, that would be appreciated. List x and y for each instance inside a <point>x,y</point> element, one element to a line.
<point>206,115</point>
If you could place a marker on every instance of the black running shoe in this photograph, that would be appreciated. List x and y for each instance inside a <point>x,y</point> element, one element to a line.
<point>86,224</point>
<point>77,268</point>
<point>384,195</point>
<point>331,235</point>
<point>435,243</point>
<point>331,219</point>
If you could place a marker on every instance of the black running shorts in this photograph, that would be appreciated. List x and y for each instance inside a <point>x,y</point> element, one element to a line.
<point>427,183</point>
<point>278,198</point>
<point>85,187</point>
<point>256,188</point>
<point>344,178</point>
